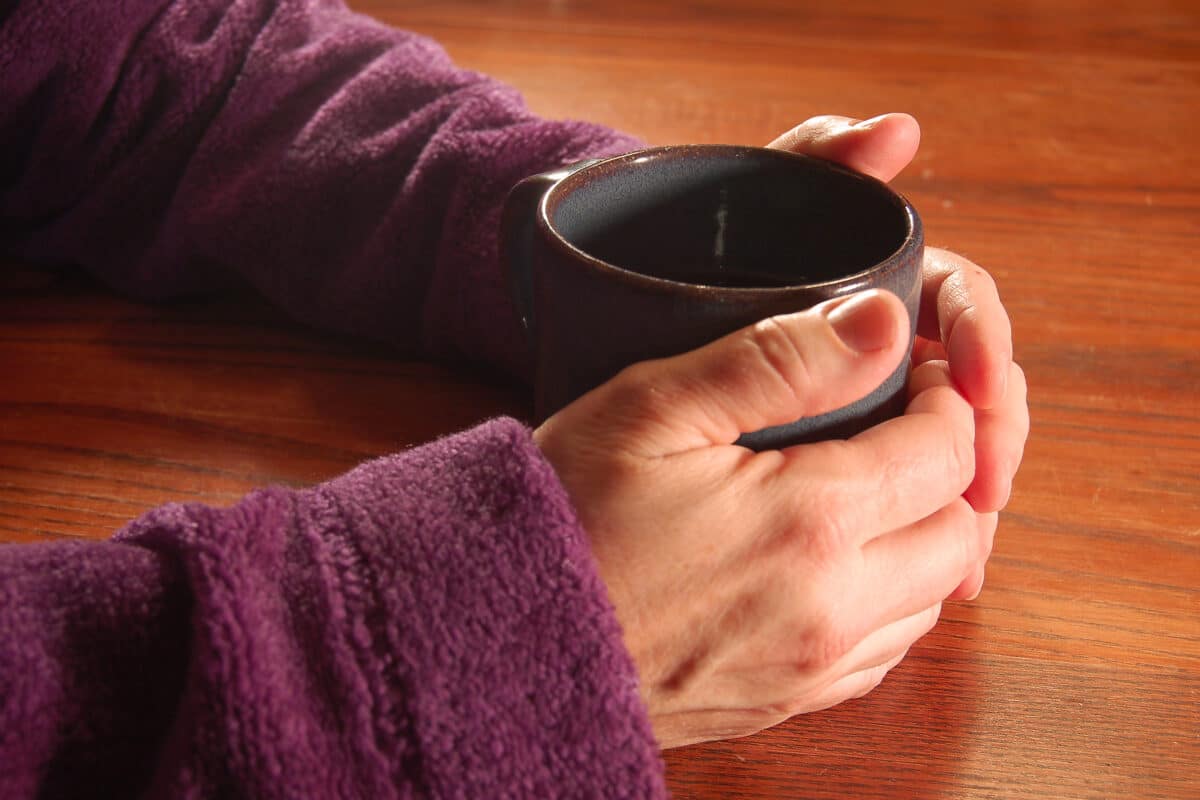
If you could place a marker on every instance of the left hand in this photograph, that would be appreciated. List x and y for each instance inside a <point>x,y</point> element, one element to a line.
<point>962,321</point>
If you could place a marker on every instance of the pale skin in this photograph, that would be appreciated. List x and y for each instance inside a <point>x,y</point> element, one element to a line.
<point>755,586</point>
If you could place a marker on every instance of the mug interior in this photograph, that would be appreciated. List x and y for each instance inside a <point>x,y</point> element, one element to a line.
<point>729,216</point>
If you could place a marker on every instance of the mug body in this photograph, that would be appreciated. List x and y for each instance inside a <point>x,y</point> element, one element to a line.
<point>660,251</point>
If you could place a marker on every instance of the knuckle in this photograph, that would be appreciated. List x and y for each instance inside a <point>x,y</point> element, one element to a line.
<point>822,654</point>
<point>960,453</point>
<point>823,547</point>
<point>634,378</point>
<point>962,269</point>
<point>825,640</point>
<point>817,130</point>
<point>824,524</point>
<point>930,374</point>
<point>826,120</point>
<point>786,367</point>
<point>978,277</point>
<point>635,404</point>
<point>961,517</point>
<point>817,631</point>
<point>818,532</point>
<point>636,389</point>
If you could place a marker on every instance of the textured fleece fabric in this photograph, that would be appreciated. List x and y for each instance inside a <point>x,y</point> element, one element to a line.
<point>431,623</point>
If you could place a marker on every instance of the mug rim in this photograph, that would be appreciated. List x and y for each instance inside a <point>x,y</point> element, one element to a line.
<point>913,238</point>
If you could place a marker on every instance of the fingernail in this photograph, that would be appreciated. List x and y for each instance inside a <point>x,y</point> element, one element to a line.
<point>1006,492</point>
<point>863,322</point>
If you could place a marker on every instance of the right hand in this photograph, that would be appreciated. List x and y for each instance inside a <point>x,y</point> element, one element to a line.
<point>755,586</point>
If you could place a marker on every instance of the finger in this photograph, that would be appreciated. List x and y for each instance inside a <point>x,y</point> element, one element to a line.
<point>679,729</point>
<point>972,585</point>
<point>926,350</point>
<point>771,373</point>
<point>894,474</point>
<point>894,639</point>
<point>929,375</point>
<point>854,685</point>
<point>961,308</point>
<point>880,147</point>
<point>916,567</point>
<point>1000,436</point>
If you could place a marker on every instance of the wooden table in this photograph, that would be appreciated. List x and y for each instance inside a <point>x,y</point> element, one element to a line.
<point>1060,151</point>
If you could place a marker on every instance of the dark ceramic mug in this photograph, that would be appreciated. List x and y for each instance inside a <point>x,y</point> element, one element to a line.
<point>660,251</point>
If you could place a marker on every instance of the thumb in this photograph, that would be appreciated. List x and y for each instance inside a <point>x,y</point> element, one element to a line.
<point>771,373</point>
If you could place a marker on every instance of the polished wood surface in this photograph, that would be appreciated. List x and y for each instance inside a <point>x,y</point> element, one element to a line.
<point>1059,151</point>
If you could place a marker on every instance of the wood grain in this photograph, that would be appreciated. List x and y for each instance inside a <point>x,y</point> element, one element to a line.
<point>1059,151</point>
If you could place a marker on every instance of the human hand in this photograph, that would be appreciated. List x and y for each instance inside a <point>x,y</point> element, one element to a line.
<point>962,321</point>
<point>755,586</point>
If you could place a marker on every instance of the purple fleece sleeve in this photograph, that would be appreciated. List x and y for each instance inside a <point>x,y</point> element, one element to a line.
<point>345,169</point>
<point>429,624</point>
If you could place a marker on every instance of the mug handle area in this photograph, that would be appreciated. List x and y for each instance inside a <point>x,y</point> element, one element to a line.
<point>516,238</point>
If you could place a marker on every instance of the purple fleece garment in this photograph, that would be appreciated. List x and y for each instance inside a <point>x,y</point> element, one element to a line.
<point>430,624</point>
<point>345,169</point>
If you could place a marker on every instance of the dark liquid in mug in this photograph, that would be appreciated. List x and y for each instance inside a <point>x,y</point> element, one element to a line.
<point>733,222</point>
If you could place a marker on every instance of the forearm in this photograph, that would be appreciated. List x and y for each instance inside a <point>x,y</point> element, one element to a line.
<point>347,170</point>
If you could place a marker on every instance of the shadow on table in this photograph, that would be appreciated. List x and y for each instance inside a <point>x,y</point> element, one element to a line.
<point>235,376</point>
<point>206,399</point>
